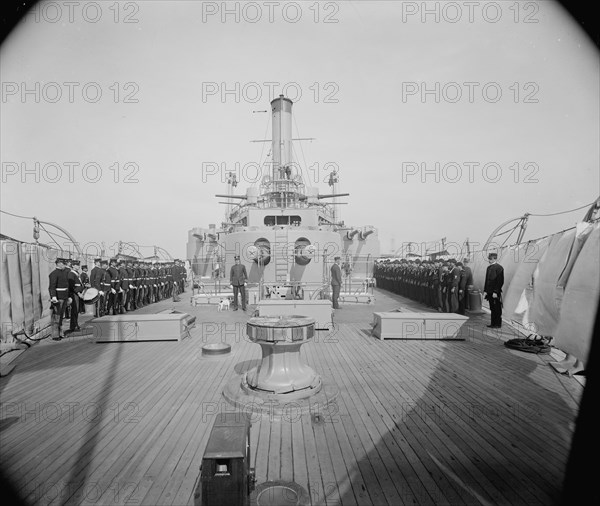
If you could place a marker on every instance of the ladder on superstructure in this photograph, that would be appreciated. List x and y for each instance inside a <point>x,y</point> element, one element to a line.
<point>281,255</point>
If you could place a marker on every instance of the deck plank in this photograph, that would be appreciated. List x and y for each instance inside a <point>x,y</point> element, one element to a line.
<point>192,459</point>
<point>384,491</point>
<point>315,485</point>
<point>470,428</point>
<point>299,468</point>
<point>415,422</point>
<point>396,474</point>
<point>422,435</point>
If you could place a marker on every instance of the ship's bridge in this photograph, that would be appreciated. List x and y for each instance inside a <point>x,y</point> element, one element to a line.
<point>282,201</point>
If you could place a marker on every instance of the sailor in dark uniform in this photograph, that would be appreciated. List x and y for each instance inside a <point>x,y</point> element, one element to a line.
<point>461,289</point>
<point>152,283</point>
<point>176,280</point>
<point>58,285</point>
<point>150,290</point>
<point>96,274</point>
<point>75,289</point>
<point>151,276</point>
<point>137,278</point>
<point>437,285</point>
<point>453,286</point>
<point>444,285</point>
<point>156,278</point>
<point>168,280</point>
<point>68,267</point>
<point>85,283</point>
<point>106,286</point>
<point>466,284</point>
<point>183,275</point>
<point>113,274</point>
<point>336,282</point>
<point>238,278</point>
<point>96,277</point>
<point>161,278</point>
<point>142,284</point>
<point>492,290</point>
<point>130,303</point>
<point>123,287</point>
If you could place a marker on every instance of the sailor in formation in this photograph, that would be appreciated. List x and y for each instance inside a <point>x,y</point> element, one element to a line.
<point>85,283</point>
<point>121,286</point>
<point>441,284</point>
<point>97,276</point>
<point>59,296</point>
<point>75,289</point>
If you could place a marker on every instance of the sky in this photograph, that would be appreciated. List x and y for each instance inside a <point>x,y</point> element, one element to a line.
<point>119,121</point>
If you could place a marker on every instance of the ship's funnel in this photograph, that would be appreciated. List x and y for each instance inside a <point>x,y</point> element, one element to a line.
<point>281,113</point>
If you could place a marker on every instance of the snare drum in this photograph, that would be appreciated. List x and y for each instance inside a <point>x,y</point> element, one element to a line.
<point>90,296</point>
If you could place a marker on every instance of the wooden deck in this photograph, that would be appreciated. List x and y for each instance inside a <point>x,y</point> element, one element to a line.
<point>416,422</point>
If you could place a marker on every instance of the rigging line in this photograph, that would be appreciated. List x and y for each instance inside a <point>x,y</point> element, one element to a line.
<point>563,212</point>
<point>508,237</point>
<point>52,238</point>
<point>17,215</point>
<point>55,233</point>
<point>301,148</point>
<point>302,169</point>
<point>262,148</point>
<point>61,236</point>
<point>262,167</point>
<point>506,232</point>
<point>537,239</point>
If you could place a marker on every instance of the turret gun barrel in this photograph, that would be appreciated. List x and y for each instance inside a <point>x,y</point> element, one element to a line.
<point>328,196</point>
<point>243,197</point>
<point>332,195</point>
<point>365,233</point>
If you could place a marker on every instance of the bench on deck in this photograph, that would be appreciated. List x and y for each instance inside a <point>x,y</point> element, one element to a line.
<point>413,325</point>
<point>168,325</point>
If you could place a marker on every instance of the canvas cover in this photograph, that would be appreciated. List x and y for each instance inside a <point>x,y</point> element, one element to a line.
<point>580,299</point>
<point>551,285</point>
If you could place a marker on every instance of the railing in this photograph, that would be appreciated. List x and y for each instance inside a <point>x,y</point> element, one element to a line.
<point>355,286</point>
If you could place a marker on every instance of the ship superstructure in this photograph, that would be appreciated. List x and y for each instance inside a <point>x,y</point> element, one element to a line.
<point>285,231</point>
